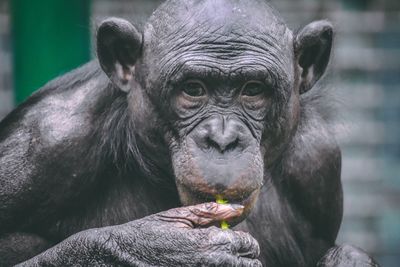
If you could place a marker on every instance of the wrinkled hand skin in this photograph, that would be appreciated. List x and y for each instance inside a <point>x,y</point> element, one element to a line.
<point>345,256</point>
<point>168,238</point>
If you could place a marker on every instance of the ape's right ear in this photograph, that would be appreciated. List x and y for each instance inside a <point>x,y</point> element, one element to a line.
<point>118,47</point>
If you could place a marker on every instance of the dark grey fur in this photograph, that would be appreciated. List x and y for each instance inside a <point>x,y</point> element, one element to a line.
<point>92,164</point>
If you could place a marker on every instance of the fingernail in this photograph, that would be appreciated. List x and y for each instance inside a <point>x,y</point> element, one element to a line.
<point>237,206</point>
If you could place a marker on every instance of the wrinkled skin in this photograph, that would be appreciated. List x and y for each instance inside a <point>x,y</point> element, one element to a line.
<point>119,162</point>
<point>117,245</point>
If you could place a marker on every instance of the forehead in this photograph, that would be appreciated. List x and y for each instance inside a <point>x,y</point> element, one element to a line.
<point>234,33</point>
<point>252,13</point>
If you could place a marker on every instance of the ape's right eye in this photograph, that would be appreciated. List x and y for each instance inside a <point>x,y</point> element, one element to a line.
<point>194,89</point>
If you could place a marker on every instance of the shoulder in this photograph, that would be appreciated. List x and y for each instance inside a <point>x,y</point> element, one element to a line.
<point>310,171</point>
<point>314,148</point>
<point>62,108</point>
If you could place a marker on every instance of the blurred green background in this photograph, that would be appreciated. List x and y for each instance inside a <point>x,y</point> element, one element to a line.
<point>49,37</point>
<point>40,40</point>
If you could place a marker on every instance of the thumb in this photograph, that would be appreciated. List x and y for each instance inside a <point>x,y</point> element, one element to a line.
<point>201,215</point>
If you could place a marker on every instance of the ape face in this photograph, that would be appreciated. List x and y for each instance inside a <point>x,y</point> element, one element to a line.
<point>224,83</point>
<point>213,86</point>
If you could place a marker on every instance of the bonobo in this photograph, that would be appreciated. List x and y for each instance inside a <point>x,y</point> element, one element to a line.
<point>120,161</point>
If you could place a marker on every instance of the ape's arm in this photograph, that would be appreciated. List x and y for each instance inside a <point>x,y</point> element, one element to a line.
<point>163,239</point>
<point>314,180</point>
<point>42,170</point>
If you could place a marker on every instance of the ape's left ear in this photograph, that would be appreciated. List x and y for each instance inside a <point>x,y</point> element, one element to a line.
<point>312,50</point>
<point>118,47</point>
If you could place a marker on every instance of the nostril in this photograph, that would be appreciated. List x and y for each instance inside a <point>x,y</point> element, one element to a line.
<point>212,144</point>
<point>222,146</point>
<point>232,146</point>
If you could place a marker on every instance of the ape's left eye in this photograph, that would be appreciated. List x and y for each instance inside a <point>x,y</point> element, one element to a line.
<point>194,89</point>
<point>254,88</point>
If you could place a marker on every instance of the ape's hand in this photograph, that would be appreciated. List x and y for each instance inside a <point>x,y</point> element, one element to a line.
<point>169,238</point>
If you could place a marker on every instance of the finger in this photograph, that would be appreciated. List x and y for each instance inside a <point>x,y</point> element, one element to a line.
<point>213,212</point>
<point>202,214</point>
<point>225,259</point>
<point>237,243</point>
<point>246,245</point>
<point>245,262</point>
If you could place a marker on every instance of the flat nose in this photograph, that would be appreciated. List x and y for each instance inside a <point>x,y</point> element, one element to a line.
<point>222,134</point>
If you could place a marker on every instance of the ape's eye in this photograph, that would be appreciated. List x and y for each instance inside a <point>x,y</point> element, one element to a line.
<point>194,89</point>
<point>254,88</point>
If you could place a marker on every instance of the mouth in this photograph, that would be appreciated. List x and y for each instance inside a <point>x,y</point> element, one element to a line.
<point>248,200</point>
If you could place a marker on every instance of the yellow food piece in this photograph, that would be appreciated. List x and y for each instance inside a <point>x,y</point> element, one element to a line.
<point>224,225</point>
<point>221,200</point>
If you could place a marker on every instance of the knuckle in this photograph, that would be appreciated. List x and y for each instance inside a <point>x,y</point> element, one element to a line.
<point>246,238</point>
<point>196,211</point>
<point>204,208</point>
<point>254,246</point>
<point>222,235</point>
<point>256,263</point>
<point>249,239</point>
<point>222,241</point>
<point>210,206</point>
<point>245,262</point>
<point>248,245</point>
<point>219,259</point>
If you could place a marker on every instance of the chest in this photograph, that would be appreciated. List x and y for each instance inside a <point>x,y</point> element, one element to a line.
<point>114,204</point>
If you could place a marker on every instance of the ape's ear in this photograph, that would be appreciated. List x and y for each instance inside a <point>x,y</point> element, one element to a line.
<point>312,49</point>
<point>118,47</point>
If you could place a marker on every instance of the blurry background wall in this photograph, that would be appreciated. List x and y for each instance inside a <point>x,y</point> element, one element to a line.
<point>6,95</point>
<point>365,77</point>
